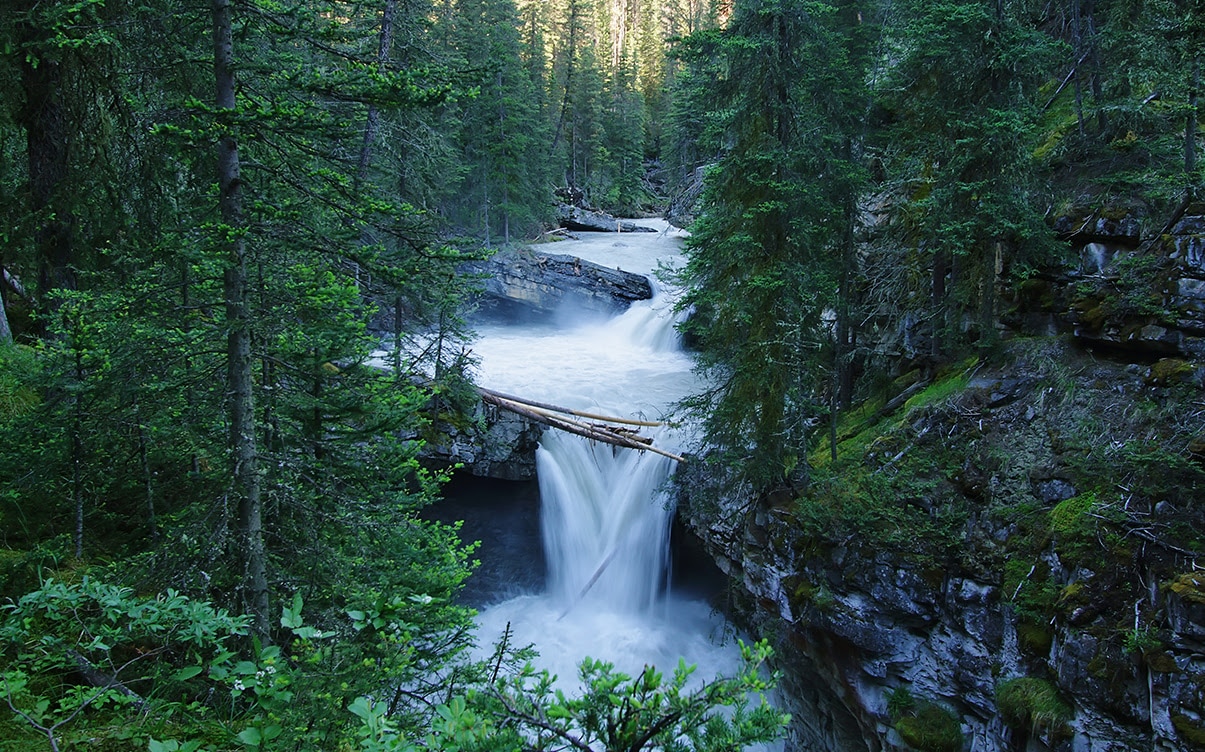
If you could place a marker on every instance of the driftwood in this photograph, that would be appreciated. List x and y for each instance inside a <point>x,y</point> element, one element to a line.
<point>568,411</point>
<point>549,416</point>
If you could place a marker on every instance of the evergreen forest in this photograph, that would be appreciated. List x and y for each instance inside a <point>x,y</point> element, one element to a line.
<point>213,213</point>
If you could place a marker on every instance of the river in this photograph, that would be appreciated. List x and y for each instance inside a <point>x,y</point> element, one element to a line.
<point>605,513</point>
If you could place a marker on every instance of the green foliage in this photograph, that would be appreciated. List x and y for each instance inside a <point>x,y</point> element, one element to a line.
<point>764,259</point>
<point>900,702</point>
<point>1141,640</point>
<point>930,728</point>
<point>1033,705</point>
<point>80,657</point>
<point>18,382</point>
<point>646,712</point>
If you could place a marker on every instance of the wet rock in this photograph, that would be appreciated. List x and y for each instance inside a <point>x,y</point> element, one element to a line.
<point>497,444</point>
<point>1055,490</point>
<point>587,220</point>
<point>527,284</point>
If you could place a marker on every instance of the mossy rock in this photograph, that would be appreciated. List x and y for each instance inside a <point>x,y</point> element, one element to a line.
<point>1189,586</point>
<point>1035,637</point>
<point>930,728</point>
<point>1074,528</point>
<point>1189,730</point>
<point>1033,705</point>
<point>1161,662</point>
<point>1037,294</point>
<point>1170,371</point>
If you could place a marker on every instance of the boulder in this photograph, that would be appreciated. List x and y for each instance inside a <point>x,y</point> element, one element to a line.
<point>587,220</point>
<point>525,284</point>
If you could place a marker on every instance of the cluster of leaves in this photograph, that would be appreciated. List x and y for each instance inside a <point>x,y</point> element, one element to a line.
<point>82,660</point>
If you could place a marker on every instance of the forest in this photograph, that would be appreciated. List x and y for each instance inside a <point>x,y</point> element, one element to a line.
<point>213,214</point>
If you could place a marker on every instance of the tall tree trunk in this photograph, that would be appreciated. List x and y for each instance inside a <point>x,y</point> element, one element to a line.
<point>77,449</point>
<point>1098,94</point>
<point>1190,125</point>
<point>238,342</point>
<point>570,47</point>
<point>842,377</point>
<point>1078,38</point>
<point>45,121</point>
<point>372,124</point>
<point>941,267</point>
<point>6,332</point>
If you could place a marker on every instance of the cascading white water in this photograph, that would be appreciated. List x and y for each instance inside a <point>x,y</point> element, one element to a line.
<point>605,523</point>
<point>605,512</point>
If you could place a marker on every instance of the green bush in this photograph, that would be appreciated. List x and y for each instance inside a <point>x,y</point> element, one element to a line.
<point>1033,705</point>
<point>930,728</point>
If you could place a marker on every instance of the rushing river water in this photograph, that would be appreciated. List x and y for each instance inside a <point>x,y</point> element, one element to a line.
<point>605,512</point>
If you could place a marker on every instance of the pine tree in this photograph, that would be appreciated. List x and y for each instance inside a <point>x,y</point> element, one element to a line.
<point>762,269</point>
<point>963,139</point>
<point>501,127</point>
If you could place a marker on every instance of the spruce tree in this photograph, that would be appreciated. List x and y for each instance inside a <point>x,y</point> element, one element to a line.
<point>762,269</point>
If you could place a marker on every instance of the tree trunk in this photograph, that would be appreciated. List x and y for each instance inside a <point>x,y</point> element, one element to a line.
<point>6,332</point>
<point>1190,125</point>
<point>77,451</point>
<point>940,316</point>
<point>842,383</point>
<point>372,124</point>
<point>45,121</point>
<point>238,343</point>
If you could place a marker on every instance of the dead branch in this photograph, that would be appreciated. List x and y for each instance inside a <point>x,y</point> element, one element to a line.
<point>546,418</point>
<point>568,411</point>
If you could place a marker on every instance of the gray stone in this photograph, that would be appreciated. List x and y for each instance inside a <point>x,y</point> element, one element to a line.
<point>1055,490</point>
<point>585,220</point>
<point>525,283</point>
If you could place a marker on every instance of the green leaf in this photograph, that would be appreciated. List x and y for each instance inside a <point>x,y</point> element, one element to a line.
<point>187,672</point>
<point>251,736</point>
<point>290,618</point>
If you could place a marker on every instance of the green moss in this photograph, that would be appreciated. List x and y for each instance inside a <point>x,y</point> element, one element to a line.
<point>1033,705</point>
<point>930,728</point>
<point>1189,730</point>
<point>1161,662</point>
<point>1074,527</point>
<point>1189,586</point>
<point>1170,371</point>
<point>1035,637</point>
<point>954,381</point>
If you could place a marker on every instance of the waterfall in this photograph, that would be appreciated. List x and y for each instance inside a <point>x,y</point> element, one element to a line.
<point>606,519</point>
<point>605,512</point>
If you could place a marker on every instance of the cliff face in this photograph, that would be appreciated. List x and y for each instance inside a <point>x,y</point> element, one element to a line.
<point>1010,555</point>
<point>1008,561</point>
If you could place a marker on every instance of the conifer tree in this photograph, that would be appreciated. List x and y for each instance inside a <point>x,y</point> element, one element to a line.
<point>762,268</point>
<point>963,94</point>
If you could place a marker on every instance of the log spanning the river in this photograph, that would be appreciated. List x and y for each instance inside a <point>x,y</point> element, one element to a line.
<point>614,431</point>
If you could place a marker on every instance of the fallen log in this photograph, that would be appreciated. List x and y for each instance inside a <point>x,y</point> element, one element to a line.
<point>604,435</point>
<point>569,411</point>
